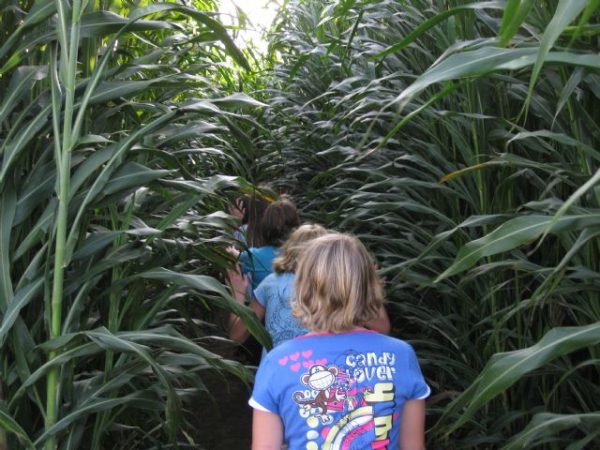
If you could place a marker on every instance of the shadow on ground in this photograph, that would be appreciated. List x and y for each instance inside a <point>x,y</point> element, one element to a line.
<point>223,418</point>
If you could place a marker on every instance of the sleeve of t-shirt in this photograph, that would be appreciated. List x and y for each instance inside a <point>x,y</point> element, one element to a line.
<point>419,388</point>
<point>261,294</point>
<point>263,397</point>
<point>245,262</point>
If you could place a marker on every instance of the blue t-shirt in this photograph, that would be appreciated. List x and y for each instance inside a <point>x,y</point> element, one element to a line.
<point>339,391</point>
<point>257,261</point>
<point>275,294</point>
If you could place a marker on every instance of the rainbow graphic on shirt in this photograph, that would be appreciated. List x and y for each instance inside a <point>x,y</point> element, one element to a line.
<point>350,407</point>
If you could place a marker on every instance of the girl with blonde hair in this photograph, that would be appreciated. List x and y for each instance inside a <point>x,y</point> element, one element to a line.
<point>272,298</point>
<point>341,386</point>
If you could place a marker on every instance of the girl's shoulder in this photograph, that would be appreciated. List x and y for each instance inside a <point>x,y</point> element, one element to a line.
<point>278,279</point>
<point>353,338</point>
<point>389,341</point>
<point>286,348</point>
<point>266,251</point>
<point>281,276</point>
<point>357,339</point>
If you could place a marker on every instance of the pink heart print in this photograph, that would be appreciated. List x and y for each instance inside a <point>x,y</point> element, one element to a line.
<point>283,361</point>
<point>307,364</point>
<point>295,367</point>
<point>295,356</point>
<point>307,353</point>
<point>321,362</point>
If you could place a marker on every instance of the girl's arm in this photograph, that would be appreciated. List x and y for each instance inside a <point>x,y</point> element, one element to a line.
<point>381,323</point>
<point>239,282</point>
<point>237,329</point>
<point>267,431</point>
<point>412,426</point>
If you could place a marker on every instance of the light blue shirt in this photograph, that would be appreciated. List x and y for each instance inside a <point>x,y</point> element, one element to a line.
<point>275,294</point>
<point>258,262</point>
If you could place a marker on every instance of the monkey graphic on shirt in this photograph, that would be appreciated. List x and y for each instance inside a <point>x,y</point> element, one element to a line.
<point>348,405</point>
<point>324,394</point>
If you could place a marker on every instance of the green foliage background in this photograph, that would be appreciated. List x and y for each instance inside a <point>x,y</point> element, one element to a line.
<point>458,139</point>
<point>115,121</point>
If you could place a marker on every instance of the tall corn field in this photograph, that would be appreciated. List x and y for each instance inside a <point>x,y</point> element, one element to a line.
<point>458,139</point>
<point>113,121</point>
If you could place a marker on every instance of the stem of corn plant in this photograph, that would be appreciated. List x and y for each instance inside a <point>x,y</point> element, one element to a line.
<point>591,254</point>
<point>63,161</point>
<point>113,326</point>
<point>3,444</point>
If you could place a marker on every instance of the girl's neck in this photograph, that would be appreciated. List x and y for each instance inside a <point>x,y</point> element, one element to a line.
<point>329,332</point>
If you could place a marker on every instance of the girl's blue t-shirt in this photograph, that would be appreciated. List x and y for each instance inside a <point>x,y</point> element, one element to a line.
<point>275,294</point>
<point>339,391</point>
<point>258,262</point>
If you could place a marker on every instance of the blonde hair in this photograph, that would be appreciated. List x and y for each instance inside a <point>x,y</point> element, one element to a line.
<point>337,288</point>
<point>293,248</point>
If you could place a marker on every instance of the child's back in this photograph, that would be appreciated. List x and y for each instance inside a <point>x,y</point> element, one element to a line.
<point>348,389</point>
<point>341,386</point>
<point>275,294</point>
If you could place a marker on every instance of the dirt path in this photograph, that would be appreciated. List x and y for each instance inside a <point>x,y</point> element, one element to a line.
<point>223,418</point>
<point>225,422</point>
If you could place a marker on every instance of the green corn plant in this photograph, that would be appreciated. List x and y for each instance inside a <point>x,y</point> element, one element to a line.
<point>114,133</point>
<point>459,141</point>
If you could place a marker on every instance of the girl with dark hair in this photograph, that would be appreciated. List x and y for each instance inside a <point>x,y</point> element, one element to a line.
<point>250,210</point>
<point>279,220</point>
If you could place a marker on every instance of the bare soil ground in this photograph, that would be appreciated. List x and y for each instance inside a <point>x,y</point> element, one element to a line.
<point>223,420</point>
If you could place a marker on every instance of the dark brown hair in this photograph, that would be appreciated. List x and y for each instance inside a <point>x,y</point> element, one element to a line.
<point>278,221</point>
<point>256,205</point>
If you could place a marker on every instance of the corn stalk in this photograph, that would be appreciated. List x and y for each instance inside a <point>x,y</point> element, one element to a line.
<point>459,140</point>
<point>109,179</point>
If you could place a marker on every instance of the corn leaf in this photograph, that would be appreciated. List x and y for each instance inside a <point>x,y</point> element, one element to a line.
<point>544,425</point>
<point>505,369</point>
<point>512,234</point>
<point>8,423</point>
<point>208,284</point>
